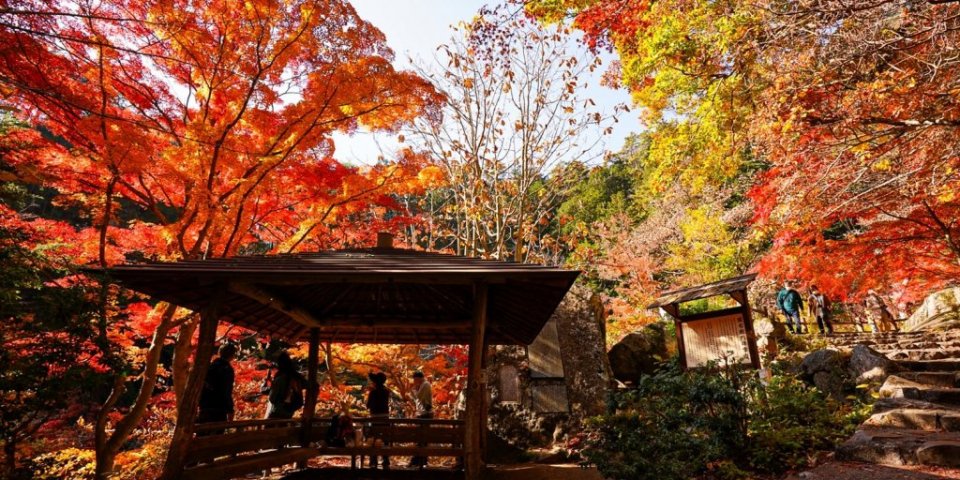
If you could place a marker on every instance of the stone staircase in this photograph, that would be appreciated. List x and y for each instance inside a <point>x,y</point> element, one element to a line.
<point>917,419</point>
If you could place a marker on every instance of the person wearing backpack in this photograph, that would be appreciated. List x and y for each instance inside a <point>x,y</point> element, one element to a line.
<point>791,303</point>
<point>286,389</point>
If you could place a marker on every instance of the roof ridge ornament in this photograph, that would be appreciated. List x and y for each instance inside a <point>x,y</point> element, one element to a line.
<point>384,240</point>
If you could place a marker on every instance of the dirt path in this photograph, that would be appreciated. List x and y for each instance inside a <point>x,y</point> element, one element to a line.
<point>504,472</point>
<point>542,472</point>
<point>868,471</point>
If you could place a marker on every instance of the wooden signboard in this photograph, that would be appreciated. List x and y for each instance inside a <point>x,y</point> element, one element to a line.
<point>721,335</point>
<point>715,339</point>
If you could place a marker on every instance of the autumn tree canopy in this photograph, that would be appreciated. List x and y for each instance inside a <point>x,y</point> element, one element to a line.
<point>517,112</point>
<point>843,116</point>
<point>214,121</point>
<point>181,129</point>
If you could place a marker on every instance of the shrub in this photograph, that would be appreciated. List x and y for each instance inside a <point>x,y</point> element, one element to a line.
<point>670,427</point>
<point>789,420</point>
<point>719,422</point>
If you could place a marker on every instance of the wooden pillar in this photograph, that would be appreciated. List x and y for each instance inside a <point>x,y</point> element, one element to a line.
<point>485,411</point>
<point>476,387</point>
<point>741,298</point>
<point>674,311</point>
<point>183,432</point>
<point>310,403</point>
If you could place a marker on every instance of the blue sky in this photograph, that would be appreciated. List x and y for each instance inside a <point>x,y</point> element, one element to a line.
<point>414,28</point>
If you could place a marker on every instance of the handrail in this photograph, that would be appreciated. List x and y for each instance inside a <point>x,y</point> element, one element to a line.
<point>244,424</point>
<point>274,423</point>
<point>394,420</point>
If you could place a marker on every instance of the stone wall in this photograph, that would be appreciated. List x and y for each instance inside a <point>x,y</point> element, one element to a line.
<point>939,311</point>
<point>540,402</point>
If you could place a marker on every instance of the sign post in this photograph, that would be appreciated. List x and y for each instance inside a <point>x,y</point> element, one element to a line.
<point>724,336</point>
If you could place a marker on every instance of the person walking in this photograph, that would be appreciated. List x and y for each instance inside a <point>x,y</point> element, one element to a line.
<point>216,398</point>
<point>877,313</point>
<point>819,307</point>
<point>378,404</point>
<point>423,400</point>
<point>286,389</point>
<point>790,303</point>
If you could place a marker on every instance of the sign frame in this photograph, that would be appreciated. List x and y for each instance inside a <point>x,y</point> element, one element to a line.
<point>743,309</point>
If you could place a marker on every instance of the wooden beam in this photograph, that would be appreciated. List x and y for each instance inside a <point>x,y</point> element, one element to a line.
<point>254,292</point>
<point>476,387</point>
<point>310,404</point>
<point>187,414</point>
<point>374,323</point>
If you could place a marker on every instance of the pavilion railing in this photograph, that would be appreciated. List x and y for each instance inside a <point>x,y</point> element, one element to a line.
<point>218,445</point>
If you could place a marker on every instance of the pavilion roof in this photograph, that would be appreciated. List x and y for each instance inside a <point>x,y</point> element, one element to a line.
<point>378,295</point>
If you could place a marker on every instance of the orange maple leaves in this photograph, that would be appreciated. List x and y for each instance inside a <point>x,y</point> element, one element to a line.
<point>211,122</point>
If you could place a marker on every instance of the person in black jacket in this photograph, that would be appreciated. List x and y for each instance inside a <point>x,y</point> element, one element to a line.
<point>216,398</point>
<point>286,389</point>
<point>378,403</point>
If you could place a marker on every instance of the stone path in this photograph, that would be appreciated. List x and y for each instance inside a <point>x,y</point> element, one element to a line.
<point>914,431</point>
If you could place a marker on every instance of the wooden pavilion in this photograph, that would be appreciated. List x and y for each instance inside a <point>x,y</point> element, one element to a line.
<point>379,295</point>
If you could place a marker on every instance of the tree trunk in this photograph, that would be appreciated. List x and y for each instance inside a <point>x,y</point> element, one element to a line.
<point>104,456</point>
<point>187,412</point>
<point>181,357</point>
<point>108,447</point>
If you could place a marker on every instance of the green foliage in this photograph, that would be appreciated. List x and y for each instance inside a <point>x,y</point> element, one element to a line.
<point>676,425</point>
<point>46,363</point>
<point>608,190</point>
<point>788,421</point>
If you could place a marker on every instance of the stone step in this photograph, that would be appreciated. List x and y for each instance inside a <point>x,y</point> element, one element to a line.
<point>890,403</point>
<point>950,365</point>
<point>924,354</point>
<point>895,385</point>
<point>943,396</point>
<point>895,446</point>
<point>917,419</point>
<point>939,379</point>
<point>918,346</point>
<point>940,453</point>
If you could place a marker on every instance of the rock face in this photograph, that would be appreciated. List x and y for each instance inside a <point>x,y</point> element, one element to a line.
<point>824,368</point>
<point>869,365</point>
<point>540,394</point>
<point>939,311</point>
<point>639,353</point>
<point>825,360</point>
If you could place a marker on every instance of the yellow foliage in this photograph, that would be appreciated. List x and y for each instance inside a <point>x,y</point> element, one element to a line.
<point>66,464</point>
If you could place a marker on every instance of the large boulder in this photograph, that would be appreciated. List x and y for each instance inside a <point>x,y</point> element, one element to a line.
<point>824,368</point>
<point>868,365</point>
<point>639,353</point>
<point>939,311</point>
<point>826,360</point>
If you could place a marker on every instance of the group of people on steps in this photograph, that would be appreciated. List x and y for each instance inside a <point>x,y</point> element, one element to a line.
<point>285,391</point>
<point>791,304</point>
